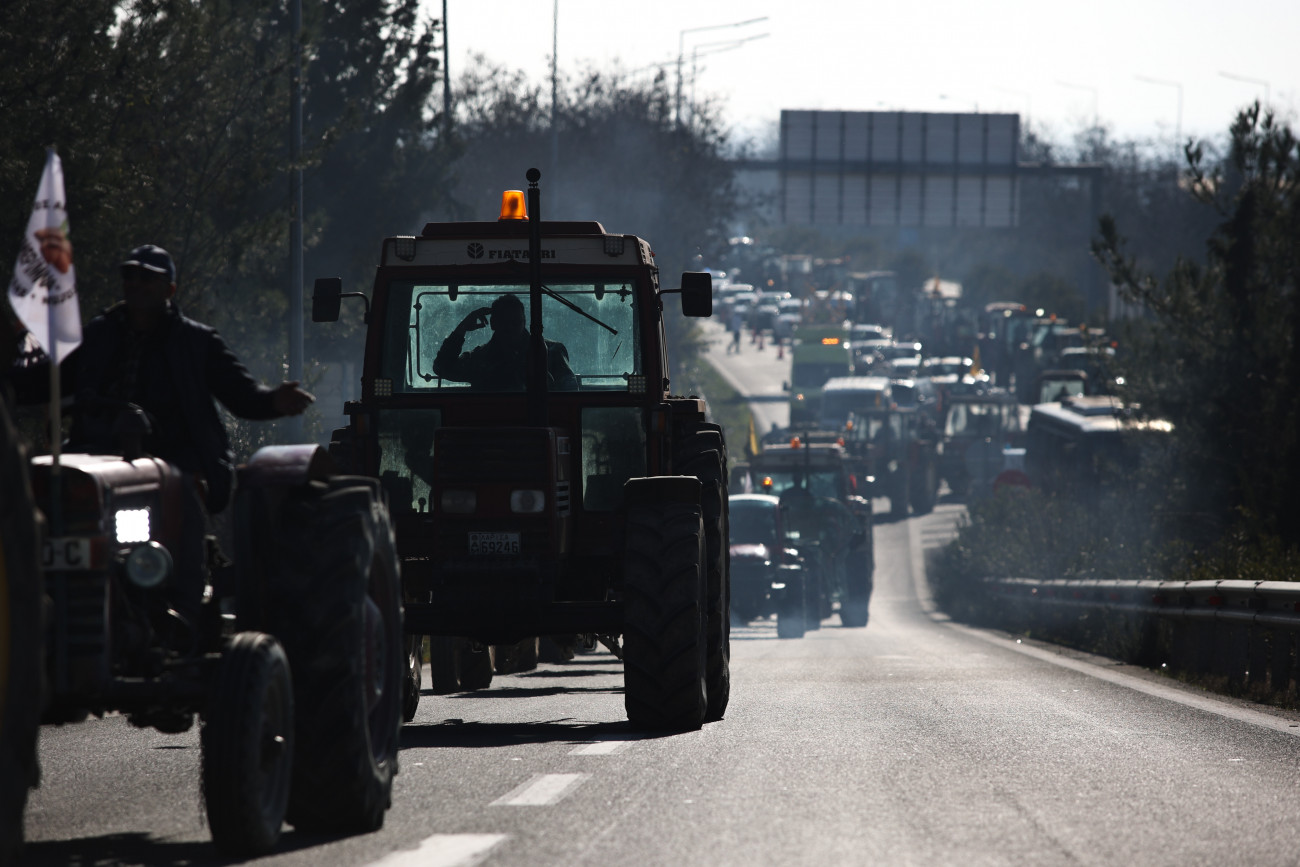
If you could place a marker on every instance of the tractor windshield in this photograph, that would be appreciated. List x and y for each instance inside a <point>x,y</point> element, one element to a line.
<point>474,337</point>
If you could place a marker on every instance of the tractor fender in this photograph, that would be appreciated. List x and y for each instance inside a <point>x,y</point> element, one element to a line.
<point>662,489</point>
<point>286,466</point>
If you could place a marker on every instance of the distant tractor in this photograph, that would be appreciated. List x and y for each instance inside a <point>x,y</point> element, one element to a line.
<point>827,521</point>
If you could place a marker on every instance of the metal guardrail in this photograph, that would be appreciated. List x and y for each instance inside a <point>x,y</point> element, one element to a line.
<point>1274,604</point>
<point>1245,630</point>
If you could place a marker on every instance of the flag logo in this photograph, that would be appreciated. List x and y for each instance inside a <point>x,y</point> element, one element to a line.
<point>43,291</point>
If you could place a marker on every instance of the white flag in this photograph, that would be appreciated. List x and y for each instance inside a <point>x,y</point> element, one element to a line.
<point>43,291</point>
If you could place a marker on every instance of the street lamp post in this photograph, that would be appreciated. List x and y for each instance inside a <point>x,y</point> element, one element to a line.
<point>293,425</point>
<point>681,53</point>
<point>1178,125</point>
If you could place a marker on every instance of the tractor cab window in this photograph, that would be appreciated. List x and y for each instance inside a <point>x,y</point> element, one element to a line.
<point>473,338</point>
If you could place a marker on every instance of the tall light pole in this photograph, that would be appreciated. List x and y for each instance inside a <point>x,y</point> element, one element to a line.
<point>446,74</point>
<point>1087,87</point>
<point>555,99</point>
<point>681,52</point>
<point>1249,80</point>
<point>294,424</point>
<point>1178,125</point>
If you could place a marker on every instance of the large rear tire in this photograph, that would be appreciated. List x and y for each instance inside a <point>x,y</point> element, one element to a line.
<point>336,607</point>
<point>247,743</point>
<point>703,454</point>
<point>665,653</point>
<point>22,645</point>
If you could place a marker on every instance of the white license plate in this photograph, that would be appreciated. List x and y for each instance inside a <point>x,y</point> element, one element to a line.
<point>66,553</point>
<point>494,543</point>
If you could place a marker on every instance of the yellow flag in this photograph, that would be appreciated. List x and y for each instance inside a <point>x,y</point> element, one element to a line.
<point>976,368</point>
<point>753,437</point>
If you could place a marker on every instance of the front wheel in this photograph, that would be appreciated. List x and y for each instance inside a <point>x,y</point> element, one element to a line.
<point>247,743</point>
<point>337,609</point>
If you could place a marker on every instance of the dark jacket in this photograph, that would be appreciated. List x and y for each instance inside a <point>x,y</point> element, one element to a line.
<point>173,374</point>
<point>501,364</point>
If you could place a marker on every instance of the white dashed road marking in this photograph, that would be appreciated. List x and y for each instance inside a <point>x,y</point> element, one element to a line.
<point>599,748</point>
<point>541,790</point>
<point>444,850</point>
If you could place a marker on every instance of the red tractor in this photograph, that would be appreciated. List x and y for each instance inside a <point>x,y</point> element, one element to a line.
<point>542,478</point>
<point>291,659</point>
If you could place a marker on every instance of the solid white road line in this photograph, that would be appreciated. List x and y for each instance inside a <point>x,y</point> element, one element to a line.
<point>1186,699</point>
<point>1210,705</point>
<point>541,790</point>
<point>443,850</point>
<point>598,748</point>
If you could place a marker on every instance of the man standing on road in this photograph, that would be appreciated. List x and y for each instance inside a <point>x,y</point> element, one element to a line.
<point>737,325</point>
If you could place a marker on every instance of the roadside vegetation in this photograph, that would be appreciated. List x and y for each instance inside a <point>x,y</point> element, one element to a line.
<point>1215,352</point>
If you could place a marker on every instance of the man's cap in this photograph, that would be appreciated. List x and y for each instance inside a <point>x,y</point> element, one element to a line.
<point>153,258</point>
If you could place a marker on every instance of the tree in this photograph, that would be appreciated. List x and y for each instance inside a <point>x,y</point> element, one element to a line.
<point>622,159</point>
<point>1219,357</point>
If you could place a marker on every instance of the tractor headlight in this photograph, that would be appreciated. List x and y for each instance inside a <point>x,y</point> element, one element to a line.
<point>149,565</point>
<point>459,502</point>
<point>132,525</point>
<point>527,502</point>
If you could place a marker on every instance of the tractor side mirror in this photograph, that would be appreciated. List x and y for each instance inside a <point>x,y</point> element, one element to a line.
<point>325,299</point>
<point>697,294</point>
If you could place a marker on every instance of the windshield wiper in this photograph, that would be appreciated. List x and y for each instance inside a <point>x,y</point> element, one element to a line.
<point>576,309</point>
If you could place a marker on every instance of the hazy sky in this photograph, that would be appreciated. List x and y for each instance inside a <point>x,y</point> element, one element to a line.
<point>997,55</point>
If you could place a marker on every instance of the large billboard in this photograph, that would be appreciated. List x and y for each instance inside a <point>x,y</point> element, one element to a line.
<point>893,168</point>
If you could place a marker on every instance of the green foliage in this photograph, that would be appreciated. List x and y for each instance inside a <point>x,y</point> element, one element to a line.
<point>1219,356</point>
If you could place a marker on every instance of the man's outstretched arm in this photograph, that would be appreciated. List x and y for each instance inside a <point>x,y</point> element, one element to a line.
<point>235,387</point>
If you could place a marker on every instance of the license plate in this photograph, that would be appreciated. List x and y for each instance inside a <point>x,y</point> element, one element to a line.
<point>494,543</point>
<point>66,553</point>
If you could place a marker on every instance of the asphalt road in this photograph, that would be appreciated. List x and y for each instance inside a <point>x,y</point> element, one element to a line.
<point>912,741</point>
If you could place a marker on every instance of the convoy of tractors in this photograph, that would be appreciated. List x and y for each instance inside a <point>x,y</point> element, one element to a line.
<point>502,494</point>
